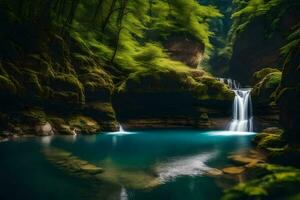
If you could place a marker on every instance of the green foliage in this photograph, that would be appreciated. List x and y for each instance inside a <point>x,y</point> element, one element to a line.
<point>278,183</point>
<point>141,30</point>
<point>184,16</point>
<point>293,42</point>
<point>6,85</point>
<point>270,12</point>
<point>181,80</point>
<point>266,82</point>
<point>261,74</point>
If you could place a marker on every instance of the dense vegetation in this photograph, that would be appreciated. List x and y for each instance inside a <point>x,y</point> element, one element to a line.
<point>75,66</point>
<point>125,33</point>
<point>75,54</point>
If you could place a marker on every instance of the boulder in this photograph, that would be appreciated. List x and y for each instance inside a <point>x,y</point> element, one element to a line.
<point>254,49</point>
<point>44,129</point>
<point>233,170</point>
<point>168,97</point>
<point>185,49</point>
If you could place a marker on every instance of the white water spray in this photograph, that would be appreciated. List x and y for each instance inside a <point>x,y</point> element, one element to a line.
<point>242,107</point>
<point>242,111</point>
<point>231,83</point>
<point>121,129</point>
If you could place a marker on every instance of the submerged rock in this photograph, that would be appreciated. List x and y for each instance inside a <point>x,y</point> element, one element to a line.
<point>246,160</point>
<point>92,173</point>
<point>233,170</point>
<point>214,172</point>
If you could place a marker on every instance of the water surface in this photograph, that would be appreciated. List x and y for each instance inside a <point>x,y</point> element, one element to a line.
<point>174,162</point>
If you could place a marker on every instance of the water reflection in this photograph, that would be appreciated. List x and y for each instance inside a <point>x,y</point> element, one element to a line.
<point>184,166</point>
<point>46,140</point>
<point>229,133</point>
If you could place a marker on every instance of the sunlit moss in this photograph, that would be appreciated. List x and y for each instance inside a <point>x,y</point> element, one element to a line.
<point>267,82</point>
<point>275,182</point>
<point>6,85</point>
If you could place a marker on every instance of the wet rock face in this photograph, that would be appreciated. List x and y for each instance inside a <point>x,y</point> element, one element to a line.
<point>265,88</point>
<point>44,129</point>
<point>254,48</point>
<point>162,99</point>
<point>59,76</point>
<point>289,98</point>
<point>186,49</point>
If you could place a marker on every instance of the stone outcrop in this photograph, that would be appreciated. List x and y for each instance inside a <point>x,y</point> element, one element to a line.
<point>48,79</point>
<point>185,49</point>
<point>254,48</point>
<point>162,99</point>
<point>266,111</point>
<point>289,97</point>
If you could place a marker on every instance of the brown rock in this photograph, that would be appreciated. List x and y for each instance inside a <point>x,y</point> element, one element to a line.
<point>44,129</point>
<point>214,172</point>
<point>233,170</point>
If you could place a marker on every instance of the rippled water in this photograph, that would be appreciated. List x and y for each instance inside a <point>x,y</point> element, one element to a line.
<point>160,164</point>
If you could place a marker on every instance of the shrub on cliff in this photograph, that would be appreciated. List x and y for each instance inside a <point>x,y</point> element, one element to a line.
<point>266,82</point>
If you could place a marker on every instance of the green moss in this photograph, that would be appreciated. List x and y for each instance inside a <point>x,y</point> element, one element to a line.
<point>32,83</point>
<point>65,87</point>
<point>270,138</point>
<point>265,90</point>
<point>260,75</point>
<point>84,124</point>
<point>195,82</point>
<point>34,115</point>
<point>271,141</point>
<point>277,182</point>
<point>7,86</point>
<point>98,84</point>
<point>36,63</point>
<point>273,80</point>
<point>100,111</point>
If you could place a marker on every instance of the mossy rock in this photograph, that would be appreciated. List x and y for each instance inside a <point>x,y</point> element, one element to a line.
<point>32,85</point>
<point>199,85</point>
<point>270,138</point>
<point>65,88</point>
<point>36,63</point>
<point>158,93</point>
<point>83,124</point>
<point>260,75</point>
<point>274,182</point>
<point>98,85</point>
<point>100,111</point>
<point>34,116</point>
<point>7,87</point>
<point>264,91</point>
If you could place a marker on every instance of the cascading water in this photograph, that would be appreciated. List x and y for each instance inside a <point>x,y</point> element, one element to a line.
<point>231,83</point>
<point>242,107</point>
<point>242,111</point>
<point>121,129</point>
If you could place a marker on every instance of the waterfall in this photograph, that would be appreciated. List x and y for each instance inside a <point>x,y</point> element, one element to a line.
<point>121,129</point>
<point>242,107</point>
<point>242,111</point>
<point>233,84</point>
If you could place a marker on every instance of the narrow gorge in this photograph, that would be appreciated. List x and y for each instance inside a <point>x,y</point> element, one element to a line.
<point>149,99</point>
